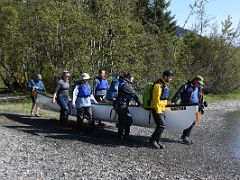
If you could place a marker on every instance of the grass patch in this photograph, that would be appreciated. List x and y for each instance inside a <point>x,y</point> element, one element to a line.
<point>220,97</point>
<point>24,107</point>
<point>17,107</point>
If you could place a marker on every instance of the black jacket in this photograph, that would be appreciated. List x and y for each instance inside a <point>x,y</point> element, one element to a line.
<point>126,92</point>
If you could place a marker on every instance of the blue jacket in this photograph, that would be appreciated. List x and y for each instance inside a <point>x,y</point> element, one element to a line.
<point>37,84</point>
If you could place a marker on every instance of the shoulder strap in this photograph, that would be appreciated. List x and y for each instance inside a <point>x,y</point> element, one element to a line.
<point>98,78</point>
<point>186,86</point>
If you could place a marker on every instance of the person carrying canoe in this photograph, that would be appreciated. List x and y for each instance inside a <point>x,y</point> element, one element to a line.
<point>82,96</point>
<point>100,87</point>
<point>160,94</point>
<point>191,92</point>
<point>126,93</point>
<point>35,85</point>
<point>61,95</point>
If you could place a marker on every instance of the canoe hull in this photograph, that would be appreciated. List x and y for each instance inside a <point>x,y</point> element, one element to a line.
<point>177,117</point>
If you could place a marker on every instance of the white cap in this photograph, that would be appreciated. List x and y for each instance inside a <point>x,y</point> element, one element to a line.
<point>84,76</point>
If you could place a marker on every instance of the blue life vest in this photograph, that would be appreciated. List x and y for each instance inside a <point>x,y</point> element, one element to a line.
<point>165,92</point>
<point>84,90</point>
<point>195,96</point>
<point>103,85</point>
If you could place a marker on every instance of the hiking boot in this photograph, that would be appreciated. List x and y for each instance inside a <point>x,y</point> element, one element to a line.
<point>187,140</point>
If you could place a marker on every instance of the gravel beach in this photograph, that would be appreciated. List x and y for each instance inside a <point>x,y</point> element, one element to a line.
<point>34,148</point>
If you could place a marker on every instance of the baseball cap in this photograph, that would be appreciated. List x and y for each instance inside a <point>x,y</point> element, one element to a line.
<point>199,79</point>
<point>168,73</point>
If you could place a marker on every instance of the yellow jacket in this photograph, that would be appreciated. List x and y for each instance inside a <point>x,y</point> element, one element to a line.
<point>156,103</point>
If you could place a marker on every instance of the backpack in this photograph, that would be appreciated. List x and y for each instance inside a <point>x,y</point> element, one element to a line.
<point>147,96</point>
<point>112,92</point>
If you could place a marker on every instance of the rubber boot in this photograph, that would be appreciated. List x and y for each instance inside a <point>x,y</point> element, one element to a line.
<point>158,139</point>
<point>153,142</point>
<point>127,132</point>
<point>186,135</point>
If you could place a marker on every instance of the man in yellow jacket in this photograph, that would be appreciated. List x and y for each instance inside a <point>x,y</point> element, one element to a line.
<point>160,95</point>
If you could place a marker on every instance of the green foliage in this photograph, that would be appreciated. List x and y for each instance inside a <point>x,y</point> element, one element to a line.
<point>83,36</point>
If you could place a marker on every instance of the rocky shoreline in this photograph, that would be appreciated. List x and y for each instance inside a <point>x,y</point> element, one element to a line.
<point>34,148</point>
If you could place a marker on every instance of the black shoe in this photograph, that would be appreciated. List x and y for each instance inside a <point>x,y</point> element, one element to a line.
<point>154,144</point>
<point>187,140</point>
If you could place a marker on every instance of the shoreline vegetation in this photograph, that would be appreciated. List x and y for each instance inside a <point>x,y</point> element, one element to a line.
<point>211,98</point>
<point>139,36</point>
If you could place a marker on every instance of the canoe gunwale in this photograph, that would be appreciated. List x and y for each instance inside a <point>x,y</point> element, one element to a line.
<point>107,104</point>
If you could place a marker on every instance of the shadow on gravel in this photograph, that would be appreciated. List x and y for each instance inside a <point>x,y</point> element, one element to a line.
<point>50,128</point>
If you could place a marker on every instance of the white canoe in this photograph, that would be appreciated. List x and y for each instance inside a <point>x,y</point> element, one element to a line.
<point>178,117</point>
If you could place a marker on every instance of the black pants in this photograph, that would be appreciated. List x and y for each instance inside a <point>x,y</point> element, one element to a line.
<point>63,102</point>
<point>187,132</point>
<point>125,121</point>
<point>84,112</point>
<point>160,126</point>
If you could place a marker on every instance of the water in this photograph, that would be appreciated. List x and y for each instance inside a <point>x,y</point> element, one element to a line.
<point>232,133</point>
